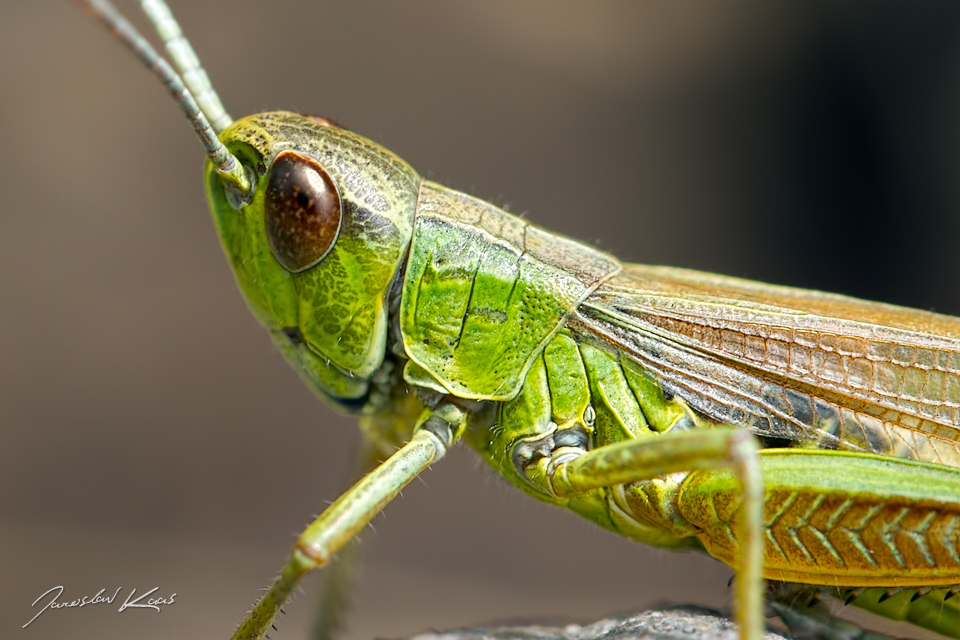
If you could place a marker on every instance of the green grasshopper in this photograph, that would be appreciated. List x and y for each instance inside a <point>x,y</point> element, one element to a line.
<point>808,440</point>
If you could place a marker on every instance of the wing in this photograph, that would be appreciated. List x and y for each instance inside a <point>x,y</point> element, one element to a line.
<point>821,370</point>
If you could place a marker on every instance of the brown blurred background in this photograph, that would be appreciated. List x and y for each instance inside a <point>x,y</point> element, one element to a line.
<point>152,437</point>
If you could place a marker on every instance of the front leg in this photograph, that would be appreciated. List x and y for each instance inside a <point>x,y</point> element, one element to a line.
<point>435,431</point>
<point>569,472</point>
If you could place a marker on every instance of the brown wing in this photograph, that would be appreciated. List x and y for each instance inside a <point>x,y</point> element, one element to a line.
<point>818,369</point>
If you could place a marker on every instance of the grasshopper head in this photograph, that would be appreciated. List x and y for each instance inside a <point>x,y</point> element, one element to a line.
<point>315,220</point>
<point>317,243</point>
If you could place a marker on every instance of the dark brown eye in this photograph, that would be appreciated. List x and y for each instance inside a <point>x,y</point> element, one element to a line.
<point>302,211</point>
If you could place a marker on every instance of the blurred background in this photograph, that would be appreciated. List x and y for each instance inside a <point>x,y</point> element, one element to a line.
<point>151,436</point>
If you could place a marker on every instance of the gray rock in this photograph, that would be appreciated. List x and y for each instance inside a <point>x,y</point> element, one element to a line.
<point>683,623</point>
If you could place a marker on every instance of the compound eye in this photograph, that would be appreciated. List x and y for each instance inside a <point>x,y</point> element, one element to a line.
<point>302,211</point>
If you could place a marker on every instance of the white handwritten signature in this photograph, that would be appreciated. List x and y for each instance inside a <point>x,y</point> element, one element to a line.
<point>129,603</point>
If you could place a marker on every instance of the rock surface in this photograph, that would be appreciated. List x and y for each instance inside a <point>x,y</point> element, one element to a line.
<point>684,623</point>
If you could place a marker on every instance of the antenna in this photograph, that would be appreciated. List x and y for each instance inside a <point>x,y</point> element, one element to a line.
<point>228,168</point>
<point>187,63</point>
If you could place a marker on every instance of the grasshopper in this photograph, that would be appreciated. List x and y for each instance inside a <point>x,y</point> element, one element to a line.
<point>805,439</point>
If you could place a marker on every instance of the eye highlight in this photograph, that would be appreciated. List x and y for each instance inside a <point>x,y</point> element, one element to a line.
<point>302,211</point>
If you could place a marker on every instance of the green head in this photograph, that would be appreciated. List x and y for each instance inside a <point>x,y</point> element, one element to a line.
<point>315,220</point>
<point>317,243</point>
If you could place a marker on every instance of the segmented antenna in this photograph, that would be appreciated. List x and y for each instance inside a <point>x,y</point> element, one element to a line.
<point>187,63</point>
<point>228,168</point>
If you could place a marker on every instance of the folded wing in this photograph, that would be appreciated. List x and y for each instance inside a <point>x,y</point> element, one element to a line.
<point>815,369</point>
